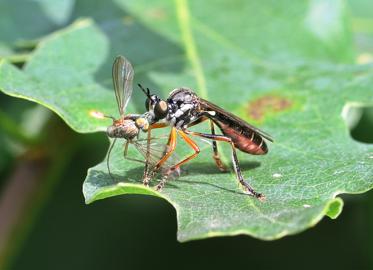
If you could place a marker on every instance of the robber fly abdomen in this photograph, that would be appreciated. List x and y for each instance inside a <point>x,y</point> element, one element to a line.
<point>245,137</point>
<point>244,140</point>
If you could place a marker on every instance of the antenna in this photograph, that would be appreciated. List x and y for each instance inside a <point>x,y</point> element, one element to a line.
<point>146,92</point>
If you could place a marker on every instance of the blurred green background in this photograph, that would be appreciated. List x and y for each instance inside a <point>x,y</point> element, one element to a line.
<point>44,223</point>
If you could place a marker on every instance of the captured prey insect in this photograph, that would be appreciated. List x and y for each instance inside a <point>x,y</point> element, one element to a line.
<point>128,126</point>
<point>183,109</point>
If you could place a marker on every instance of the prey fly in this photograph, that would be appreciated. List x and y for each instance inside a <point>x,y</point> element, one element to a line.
<point>128,126</point>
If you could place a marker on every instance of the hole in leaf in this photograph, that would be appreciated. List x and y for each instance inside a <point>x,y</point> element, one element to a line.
<point>334,208</point>
<point>359,120</point>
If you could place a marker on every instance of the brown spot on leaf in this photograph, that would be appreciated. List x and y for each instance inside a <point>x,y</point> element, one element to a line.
<point>157,13</point>
<point>128,20</point>
<point>258,108</point>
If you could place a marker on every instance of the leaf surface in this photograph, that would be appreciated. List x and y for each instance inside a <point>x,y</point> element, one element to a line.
<point>282,66</point>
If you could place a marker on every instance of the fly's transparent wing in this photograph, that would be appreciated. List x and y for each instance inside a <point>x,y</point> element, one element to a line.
<point>122,81</point>
<point>157,149</point>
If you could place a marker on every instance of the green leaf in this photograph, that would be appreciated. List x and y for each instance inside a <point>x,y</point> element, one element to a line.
<point>21,21</point>
<point>67,71</point>
<point>283,66</point>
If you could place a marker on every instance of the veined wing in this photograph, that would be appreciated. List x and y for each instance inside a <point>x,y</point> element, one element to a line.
<point>157,149</point>
<point>122,81</point>
<point>208,106</point>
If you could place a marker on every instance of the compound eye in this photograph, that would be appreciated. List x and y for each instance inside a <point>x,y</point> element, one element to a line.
<point>147,104</point>
<point>160,109</point>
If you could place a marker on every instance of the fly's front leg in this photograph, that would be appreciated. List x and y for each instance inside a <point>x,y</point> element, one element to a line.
<point>236,164</point>
<point>146,178</point>
<point>216,155</point>
<point>176,167</point>
<point>171,144</point>
<point>149,173</point>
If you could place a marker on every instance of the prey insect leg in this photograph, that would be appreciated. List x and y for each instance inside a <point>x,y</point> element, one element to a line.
<point>129,158</point>
<point>216,155</point>
<point>236,165</point>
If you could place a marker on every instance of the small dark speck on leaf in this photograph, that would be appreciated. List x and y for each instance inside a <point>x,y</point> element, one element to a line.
<point>258,108</point>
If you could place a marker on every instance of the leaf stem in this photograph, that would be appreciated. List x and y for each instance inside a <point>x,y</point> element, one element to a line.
<point>190,45</point>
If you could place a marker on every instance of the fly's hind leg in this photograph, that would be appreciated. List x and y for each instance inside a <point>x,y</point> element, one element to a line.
<point>216,155</point>
<point>236,164</point>
<point>171,144</point>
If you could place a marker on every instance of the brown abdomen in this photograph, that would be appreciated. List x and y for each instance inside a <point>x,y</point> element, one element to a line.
<point>247,141</point>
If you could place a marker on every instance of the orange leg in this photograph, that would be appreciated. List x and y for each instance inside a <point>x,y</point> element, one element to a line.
<point>171,144</point>
<point>195,147</point>
<point>158,125</point>
<point>216,155</point>
<point>147,175</point>
<point>192,144</point>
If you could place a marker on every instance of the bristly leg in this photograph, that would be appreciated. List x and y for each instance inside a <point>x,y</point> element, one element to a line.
<point>216,155</point>
<point>149,173</point>
<point>146,179</point>
<point>176,168</point>
<point>167,175</point>
<point>161,184</point>
<point>248,189</point>
<point>170,147</point>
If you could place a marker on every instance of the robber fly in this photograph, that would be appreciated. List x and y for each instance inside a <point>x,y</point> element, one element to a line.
<point>184,109</point>
<point>128,126</point>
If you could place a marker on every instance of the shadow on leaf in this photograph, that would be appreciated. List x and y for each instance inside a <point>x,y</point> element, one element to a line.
<point>134,176</point>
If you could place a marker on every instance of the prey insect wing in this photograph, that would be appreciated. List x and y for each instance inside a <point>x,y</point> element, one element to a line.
<point>122,81</point>
<point>156,149</point>
<point>208,106</point>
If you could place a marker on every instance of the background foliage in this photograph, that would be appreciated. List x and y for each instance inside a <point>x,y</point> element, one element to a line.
<point>50,204</point>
